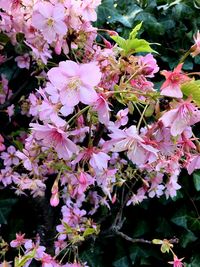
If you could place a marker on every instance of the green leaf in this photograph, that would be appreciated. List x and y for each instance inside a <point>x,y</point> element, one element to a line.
<point>196,180</point>
<point>180,221</point>
<point>19,262</point>
<point>120,41</point>
<point>4,39</point>
<point>122,262</point>
<point>192,88</point>
<point>67,228</point>
<point>20,37</point>
<point>133,45</point>
<point>89,231</point>
<point>187,238</point>
<point>135,31</point>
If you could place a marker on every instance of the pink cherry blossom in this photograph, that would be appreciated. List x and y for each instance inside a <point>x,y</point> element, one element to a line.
<point>195,49</point>
<point>129,140</point>
<point>99,160</point>
<point>75,82</point>
<point>148,65</point>
<point>88,9</point>
<point>194,163</point>
<point>177,262</point>
<point>83,181</point>
<point>174,79</point>
<point>23,61</point>
<point>122,117</point>
<point>102,108</point>
<point>49,19</point>
<point>9,157</point>
<point>178,119</point>
<point>55,137</point>
<point>19,241</point>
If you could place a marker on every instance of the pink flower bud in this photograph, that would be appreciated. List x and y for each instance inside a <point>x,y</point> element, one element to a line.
<point>54,201</point>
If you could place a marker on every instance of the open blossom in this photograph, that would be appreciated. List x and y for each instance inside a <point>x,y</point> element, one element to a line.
<point>178,119</point>
<point>102,108</point>
<point>148,65</point>
<point>122,118</point>
<point>55,137</point>
<point>137,151</point>
<point>177,262</point>
<point>9,157</point>
<point>75,82</point>
<point>196,47</point>
<point>194,164</point>
<point>19,241</point>
<point>174,79</point>
<point>88,9</point>
<point>23,61</point>
<point>49,19</point>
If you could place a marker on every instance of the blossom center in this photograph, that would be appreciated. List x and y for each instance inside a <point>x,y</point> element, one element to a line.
<point>74,83</point>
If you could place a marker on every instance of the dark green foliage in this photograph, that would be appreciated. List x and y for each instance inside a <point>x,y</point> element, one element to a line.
<point>169,23</point>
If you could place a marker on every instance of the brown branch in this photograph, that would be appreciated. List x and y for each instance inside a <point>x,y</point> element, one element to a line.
<point>133,240</point>
<point>141,240</point>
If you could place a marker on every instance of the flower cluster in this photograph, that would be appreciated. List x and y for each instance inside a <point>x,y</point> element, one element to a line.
<point>97,121</point>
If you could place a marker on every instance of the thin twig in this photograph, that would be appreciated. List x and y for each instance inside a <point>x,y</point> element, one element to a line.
<point>133,240</point>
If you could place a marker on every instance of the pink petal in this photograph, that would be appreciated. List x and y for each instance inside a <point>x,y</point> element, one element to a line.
<point>87,95</point>
<point>172,91</point>
<point>69,97</point>
<point>46,9</point>
<point>69,68</point>
<point>169,117</point>
<point>178,126</point>
<point>57,78</point>
<point>90,74</point>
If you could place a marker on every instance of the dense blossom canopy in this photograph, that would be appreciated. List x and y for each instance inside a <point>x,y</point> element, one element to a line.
<point>95,114</point>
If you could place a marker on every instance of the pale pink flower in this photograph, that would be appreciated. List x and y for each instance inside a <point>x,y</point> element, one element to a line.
<point>194,164</point>
<point>23,61</point>
<point>42,51</point>
<point>27,160</point>
<point>55,137</point>
<point>75,82</point>
<point>49,19</point>
<point>88,9</point>
<point>72,215</point>
<point>11,110</point>
<point>122,117</point>
<point>102,108</point>
<point>156,190</point>
<point>19,241</point>
<point>148,64</point>
<point>83,181</point>
<point>99,160</point>
<point>195,49</point>
<point>178,119</point>
<point>172,86</point>
<point>137,198</point>
<point>172,186</point>
<point>137,151</point>
<point>9,157</point>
